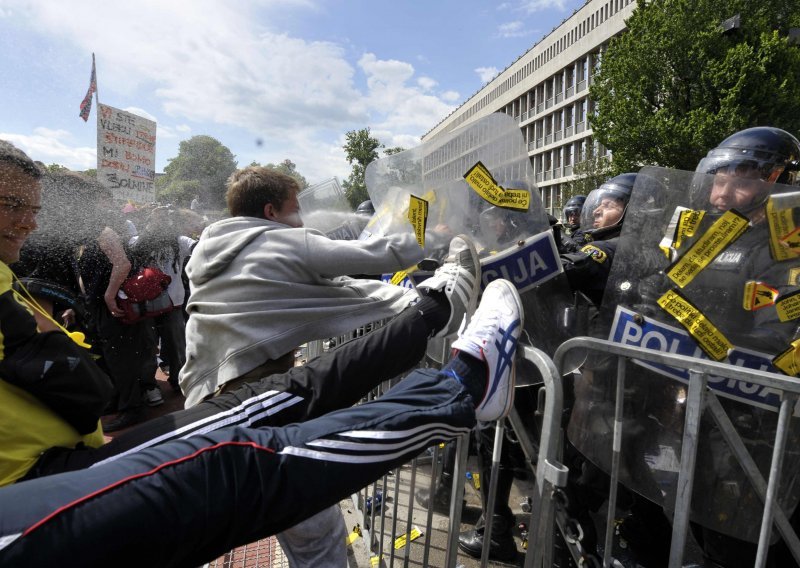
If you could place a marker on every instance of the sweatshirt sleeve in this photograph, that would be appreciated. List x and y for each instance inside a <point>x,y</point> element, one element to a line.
<point>332,258</point>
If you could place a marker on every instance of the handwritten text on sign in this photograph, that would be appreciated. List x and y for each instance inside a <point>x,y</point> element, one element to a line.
<point>126,154</point>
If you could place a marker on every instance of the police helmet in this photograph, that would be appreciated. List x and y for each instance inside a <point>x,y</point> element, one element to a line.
<point>573,206</point>
<point>765,153</point>
<point>365,208</point>
<point>501,226</point>
<point>618,188</point>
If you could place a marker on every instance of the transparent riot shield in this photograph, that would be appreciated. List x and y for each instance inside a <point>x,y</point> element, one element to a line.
<point>513,243</point>
<point>323,206</point>
<point>717,284</point>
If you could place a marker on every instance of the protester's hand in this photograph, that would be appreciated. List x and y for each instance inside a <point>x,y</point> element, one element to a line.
<point>68,317</point>
<point>111,304</point>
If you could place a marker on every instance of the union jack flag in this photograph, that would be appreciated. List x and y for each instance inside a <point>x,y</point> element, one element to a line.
<point>86,104</point>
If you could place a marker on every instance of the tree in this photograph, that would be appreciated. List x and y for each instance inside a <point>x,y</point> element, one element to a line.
<point>591,173</point>
<point>674,85</point>
<point>360,150</point>
<point>207,164</point>
<point>289,168</point>
<point>56,168</point>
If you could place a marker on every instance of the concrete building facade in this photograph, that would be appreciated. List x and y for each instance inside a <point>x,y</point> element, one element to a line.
<point>547,91</point>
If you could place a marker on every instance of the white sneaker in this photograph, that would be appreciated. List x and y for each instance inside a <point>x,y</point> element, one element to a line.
<point>153,397</point>
<point>492,336</point>
<point>460,279</point>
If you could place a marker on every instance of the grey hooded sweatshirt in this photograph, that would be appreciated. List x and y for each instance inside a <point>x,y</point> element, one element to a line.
<point>259,289</point>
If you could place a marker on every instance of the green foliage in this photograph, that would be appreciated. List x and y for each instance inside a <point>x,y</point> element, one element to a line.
<point>289,168</point>
<point>360,149</point>
<point>181,192</point>
<point>591,173</point>
<point>56,168</point>
<point>393,150</point>
<point>203,160</point>
<point>673,86</point>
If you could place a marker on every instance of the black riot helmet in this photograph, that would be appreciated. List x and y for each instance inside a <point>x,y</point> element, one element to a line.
<point>501,226</point>
<point>365,208</point>
<point>763,153</point>
<point>573,208</point>
<point>618,189</point>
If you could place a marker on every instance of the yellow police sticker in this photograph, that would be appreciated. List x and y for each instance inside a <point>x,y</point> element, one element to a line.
<point>758,295</point>
<point>683,225</point>
<point>402,540</point>
<point>725,230</point>
<point>707,336</point>
<point>598,255</point>
<point>781,225</point>
<point>794,277</point>
<point>418,217</point>
<point>789,360</point>
<point>398,277</point>
<point>480,179</point>
<point>788,306</point>
<point>791,241</point>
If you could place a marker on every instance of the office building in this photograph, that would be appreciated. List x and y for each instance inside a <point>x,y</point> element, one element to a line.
<point>546,90</point>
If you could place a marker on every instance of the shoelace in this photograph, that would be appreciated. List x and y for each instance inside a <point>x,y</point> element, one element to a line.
<point>482,326</point>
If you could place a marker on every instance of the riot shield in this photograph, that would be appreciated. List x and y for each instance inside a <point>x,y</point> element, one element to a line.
<point>693,280</point>
<point>323,206</point>
<point>469,180</point>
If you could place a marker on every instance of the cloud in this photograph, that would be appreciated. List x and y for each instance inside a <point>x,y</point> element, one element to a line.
<point>486,73</point>
<point>450,96</point>
<point>512,29</point>
<point>53,146</point>
<point>221,66</point>
<point>426,83</point>
<point>531,6</point>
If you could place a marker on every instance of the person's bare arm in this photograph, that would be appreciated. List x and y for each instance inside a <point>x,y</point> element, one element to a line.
<point>111,245</point>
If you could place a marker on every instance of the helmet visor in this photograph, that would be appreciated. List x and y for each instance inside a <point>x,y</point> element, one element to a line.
<point>752,164</point>
<point>603,208</point>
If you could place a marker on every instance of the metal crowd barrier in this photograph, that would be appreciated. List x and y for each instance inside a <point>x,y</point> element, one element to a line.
<point>544,455</point>
<point>380,529</point>
<point>551,474</point>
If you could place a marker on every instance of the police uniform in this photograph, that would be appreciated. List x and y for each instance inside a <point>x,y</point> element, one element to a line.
<point>588,267</point>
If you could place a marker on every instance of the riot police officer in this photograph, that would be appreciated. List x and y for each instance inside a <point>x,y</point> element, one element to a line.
<point>365,208</point>
<point>572,214</point>
<point>603,212</point>
<point>741,173</point>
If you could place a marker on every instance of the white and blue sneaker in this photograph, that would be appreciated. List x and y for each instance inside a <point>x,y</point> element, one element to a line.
<point>460,280</point>
<point>492,336</point>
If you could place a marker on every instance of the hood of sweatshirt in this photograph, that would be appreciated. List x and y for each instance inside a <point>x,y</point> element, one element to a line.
<point>221,242</point>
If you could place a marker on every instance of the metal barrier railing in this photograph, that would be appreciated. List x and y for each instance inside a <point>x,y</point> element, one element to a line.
<point>699,396</point>
<point>401,493</point>
<point>544,459</point>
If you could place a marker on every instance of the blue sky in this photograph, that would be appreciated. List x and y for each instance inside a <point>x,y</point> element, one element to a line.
<point>294,75</point>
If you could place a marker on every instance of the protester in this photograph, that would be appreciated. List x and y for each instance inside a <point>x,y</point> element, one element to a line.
<point>237,485</point>
<point>163,245</point>
<point>261,285</point>
<point>28,425</point>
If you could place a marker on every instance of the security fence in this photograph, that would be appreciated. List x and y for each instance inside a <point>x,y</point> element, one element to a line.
<point>543,451</point>
<point>398,532</point>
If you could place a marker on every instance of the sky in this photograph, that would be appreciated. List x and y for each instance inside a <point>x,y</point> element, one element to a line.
<point>269,79</point>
